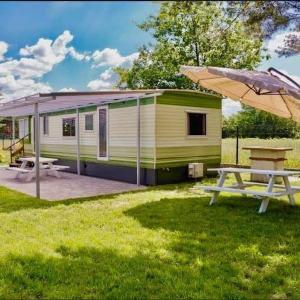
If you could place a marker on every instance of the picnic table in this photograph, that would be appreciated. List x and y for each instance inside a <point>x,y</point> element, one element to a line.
<point>46,167</point>
<point>240,186</point>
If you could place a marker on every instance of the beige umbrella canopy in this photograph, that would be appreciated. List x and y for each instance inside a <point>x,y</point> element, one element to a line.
<point>270,91</point>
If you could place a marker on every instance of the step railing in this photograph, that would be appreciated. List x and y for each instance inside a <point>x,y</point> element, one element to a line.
<point>14,152</point>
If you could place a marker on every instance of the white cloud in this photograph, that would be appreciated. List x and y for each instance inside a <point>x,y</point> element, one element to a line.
<point>13,88</point>
<point>40,58</point>
<point>76,55</point>
<point>112,58</point>
<point>19,77</point>
<point>3,49</point>
<point>230,107</point>
<point>106,80</point>
<point>278,41</point>
<point>69,89</point>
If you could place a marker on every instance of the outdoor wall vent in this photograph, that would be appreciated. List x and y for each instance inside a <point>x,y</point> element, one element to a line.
<point>195,170</point>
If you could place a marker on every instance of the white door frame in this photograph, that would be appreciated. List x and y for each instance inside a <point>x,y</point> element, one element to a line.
<point>107,132</point>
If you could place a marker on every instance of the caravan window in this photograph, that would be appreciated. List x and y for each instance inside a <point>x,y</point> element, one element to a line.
<point>196,123</point>
<point>89,122</point>
<point>46,125</point>
<point>69,127</point>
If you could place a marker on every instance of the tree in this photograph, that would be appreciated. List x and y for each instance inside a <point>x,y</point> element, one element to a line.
<point>192,33</point>
<point>123,76</point>
<point>268,17</point>
<point>256,123</point>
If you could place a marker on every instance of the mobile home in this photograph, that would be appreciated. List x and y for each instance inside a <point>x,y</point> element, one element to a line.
<point>177,127</point>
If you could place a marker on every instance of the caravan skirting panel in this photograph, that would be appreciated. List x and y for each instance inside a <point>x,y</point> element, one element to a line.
<point>128,174</point>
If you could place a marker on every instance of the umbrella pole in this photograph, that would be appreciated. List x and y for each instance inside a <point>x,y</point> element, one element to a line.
<point>237,146</point>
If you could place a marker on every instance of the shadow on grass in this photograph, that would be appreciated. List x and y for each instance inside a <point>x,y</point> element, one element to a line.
<point>91,273</point>
<point>226,251</point>
<point>190,214</point>
<point>257,253</point>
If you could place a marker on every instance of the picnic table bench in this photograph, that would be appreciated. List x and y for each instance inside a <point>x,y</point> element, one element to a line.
<point>46,166</point>
<point>240,186</point>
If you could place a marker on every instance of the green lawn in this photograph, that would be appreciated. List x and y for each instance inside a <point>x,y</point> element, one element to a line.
<point>162,243</point>
<point>229,144</point>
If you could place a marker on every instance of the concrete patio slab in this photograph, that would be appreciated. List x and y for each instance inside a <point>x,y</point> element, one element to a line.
<point>67,187</point>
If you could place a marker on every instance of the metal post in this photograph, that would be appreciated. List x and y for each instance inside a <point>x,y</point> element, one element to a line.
<point>13,129</point>
<point>78,141</point>
<point>237,146</point>
<point>37,148</point>
<point>138,143</point>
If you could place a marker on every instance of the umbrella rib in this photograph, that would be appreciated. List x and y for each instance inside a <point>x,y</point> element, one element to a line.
<point>286,104</point>
<point>245,93</point>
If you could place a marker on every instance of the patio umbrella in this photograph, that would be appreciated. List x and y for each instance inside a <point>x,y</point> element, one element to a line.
<point>271,91</point>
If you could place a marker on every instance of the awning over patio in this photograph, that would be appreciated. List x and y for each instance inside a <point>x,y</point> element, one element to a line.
<point>61,101</point>
<point>52,102</point>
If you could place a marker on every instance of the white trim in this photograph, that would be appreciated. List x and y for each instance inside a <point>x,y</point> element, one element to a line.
<point>197,136</point>
<point>200,136</point>
<point>25,127</point>
<point>107,133</point>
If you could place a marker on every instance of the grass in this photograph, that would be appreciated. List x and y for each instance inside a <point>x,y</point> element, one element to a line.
<point>229,152</point>
<point>163,243</point>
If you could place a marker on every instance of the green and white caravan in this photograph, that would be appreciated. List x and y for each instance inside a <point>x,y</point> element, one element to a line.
<point>177,127</point>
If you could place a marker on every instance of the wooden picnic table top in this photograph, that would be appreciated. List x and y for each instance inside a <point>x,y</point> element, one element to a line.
<point>273,149</point>
<point>256,171</point>
<point>42,159</point>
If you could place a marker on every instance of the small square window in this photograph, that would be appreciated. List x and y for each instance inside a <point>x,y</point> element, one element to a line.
<point>196,124</point>
<point>89,122</point>
<point>69,127</point>
<point>46,125</point>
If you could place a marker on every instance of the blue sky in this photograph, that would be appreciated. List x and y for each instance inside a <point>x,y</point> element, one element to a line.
<point>48,46</point>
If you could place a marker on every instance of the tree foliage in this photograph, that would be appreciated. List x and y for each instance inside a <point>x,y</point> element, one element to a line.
<point>214,34</point>
<point>268,17</point>
<point>256,123</point>
<point>192,33</point>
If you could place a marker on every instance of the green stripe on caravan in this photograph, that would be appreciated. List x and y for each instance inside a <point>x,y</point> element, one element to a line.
<point>128,103</point>
<point>190,99</point>
<point>72,111</point>
<point>187,151</point>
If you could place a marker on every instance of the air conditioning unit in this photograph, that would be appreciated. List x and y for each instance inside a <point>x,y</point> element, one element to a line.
<point>195,170</point>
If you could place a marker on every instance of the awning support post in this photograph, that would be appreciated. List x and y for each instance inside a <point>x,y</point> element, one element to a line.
<point>37,148</point>
<point>78,141</point>
<point>13,129</point>
<point>138,144</point>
